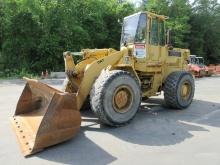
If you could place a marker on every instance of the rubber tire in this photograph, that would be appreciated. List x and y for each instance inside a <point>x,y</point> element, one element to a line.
<point>172,89</point>
<point>101,97</point>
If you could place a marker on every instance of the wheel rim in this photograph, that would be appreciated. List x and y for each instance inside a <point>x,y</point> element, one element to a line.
<point>122,99</point>
<point>186,90</point>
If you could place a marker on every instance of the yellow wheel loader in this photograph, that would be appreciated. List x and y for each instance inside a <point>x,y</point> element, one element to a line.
<point>113,82</point>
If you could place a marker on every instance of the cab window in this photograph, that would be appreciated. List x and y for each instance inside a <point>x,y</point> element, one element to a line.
<point>141,30</point>
<point>154,32</point>
<point>162,33</point>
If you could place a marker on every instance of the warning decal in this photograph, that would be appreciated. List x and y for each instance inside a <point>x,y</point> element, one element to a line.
<point>140,51</point>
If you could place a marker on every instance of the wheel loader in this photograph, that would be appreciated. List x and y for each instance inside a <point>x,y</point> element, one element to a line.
<point>201,63</point>
<point>195,66</point>
<point>112,82</point>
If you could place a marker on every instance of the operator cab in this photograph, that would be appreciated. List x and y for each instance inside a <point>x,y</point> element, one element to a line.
<point>134,29</point>
<point>192,59</point>
<point>200,61</point>
<point>143,30</point>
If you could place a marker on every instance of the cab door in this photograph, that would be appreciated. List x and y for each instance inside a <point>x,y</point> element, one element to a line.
<point>153,39</point>
<point>140,39</point>
<point>163,49</point>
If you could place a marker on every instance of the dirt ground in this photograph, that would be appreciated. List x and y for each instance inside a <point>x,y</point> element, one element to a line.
<point>157,135</point>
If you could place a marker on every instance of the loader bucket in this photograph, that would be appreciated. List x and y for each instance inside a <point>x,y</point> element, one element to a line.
<point>44,116</point>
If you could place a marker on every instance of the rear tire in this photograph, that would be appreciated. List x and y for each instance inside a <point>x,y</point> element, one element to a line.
<point>179,89</point>
<point>115,97</point>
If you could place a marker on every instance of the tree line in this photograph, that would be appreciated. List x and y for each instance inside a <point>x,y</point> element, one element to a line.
<point>34,33</point>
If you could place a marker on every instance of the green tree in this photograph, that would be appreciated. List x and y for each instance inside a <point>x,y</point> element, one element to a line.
<point>34,33</point>
<point>205,33</point>
<point>179,12</point>
<point>20,46</point>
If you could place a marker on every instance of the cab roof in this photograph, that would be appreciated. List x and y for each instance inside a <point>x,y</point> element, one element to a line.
<point>163,17</point>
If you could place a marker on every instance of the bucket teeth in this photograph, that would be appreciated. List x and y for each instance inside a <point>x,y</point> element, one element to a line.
<point>24,135</point>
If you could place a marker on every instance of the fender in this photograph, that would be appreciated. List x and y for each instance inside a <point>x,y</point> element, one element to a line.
<point>92,71</point>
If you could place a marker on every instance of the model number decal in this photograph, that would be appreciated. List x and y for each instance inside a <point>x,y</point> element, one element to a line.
<point>174,53</point>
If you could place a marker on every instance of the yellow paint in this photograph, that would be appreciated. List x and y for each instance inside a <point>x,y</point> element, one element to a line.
<point>150,71</point>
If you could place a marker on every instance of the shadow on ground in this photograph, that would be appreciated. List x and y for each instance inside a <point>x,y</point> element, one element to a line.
<point>80,150</point>
<point>154,125</point>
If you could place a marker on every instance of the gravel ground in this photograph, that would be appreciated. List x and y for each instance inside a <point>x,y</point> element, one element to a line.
<point>157,135</point>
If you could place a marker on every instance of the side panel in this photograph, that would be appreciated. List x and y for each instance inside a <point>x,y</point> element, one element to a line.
<point>176,61</point>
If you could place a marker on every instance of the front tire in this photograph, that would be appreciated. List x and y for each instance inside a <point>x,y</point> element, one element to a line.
<point>115,97</point>
<point>179,89</point>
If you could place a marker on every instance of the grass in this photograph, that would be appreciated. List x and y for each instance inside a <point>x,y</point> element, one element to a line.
<point>16,74</point>
<point>19,77</point>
